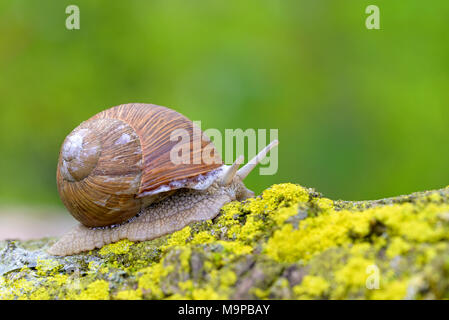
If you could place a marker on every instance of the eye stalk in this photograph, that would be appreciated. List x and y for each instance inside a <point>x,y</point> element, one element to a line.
<point>247,168</point>
<point>233,170</point>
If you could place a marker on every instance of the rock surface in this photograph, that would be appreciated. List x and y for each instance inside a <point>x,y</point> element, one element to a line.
<point>288,243</point>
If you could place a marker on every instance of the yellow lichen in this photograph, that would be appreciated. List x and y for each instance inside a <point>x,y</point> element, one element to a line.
<point>16,288</point>
<point>398,246</point>
<point>93,266</point>
<point>336,228</point>
<point>341,247</point>
<point>354,272</point>
<point>184,258</point>
<point>311,287</point>
<point>186,285</point>
<point>97,290</point>
<point>284,194</point>
<point>395,290</point>
<point>316,234</point>
<point>202,238</point>
<point>435,197</point>
<point>412,224</point>
<point>103,269</point>
<point>206,294</point>
<point>129,295</point>
<point>40,294</point>
<point>229,219</point>
<point>46,266</point>
<point>177,296</point>
<point>426,256</point>
<point>352,277</point>
<point>120,247</point>
<point>150,278</point>
<point>59,279</point>
<point>235,248</point>
<point>324,204</point>
<point>250,230</point>
<point>284,213</point>
<point>227,278</point>
<point>178,238</point>
<point>260,293</point>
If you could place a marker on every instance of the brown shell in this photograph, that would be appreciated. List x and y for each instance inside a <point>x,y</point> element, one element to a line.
<point>119,160</point>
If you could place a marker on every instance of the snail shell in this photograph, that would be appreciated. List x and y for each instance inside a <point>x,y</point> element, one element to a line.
<point>118,161</point>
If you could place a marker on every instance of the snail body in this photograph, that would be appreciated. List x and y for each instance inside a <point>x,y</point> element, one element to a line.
<point>116,177</point>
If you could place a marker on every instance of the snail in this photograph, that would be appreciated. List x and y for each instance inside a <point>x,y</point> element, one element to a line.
<point>116,177</point>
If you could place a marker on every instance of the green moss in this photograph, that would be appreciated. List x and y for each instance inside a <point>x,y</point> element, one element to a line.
<point>288,243</point>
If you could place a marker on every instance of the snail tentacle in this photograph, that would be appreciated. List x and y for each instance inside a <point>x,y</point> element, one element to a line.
<point>246,169</point>
<point>231,171</point>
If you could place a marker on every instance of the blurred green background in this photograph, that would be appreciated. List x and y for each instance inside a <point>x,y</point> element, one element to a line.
<point>361,113</point>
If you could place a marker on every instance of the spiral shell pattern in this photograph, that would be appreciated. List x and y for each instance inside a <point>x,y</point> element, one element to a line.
<point>119,161</point>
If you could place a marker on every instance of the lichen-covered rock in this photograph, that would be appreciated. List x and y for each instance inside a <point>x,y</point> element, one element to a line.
<point>288,243</point>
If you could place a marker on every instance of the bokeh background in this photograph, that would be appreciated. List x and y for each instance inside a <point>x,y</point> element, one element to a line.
<point>361,114</point>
